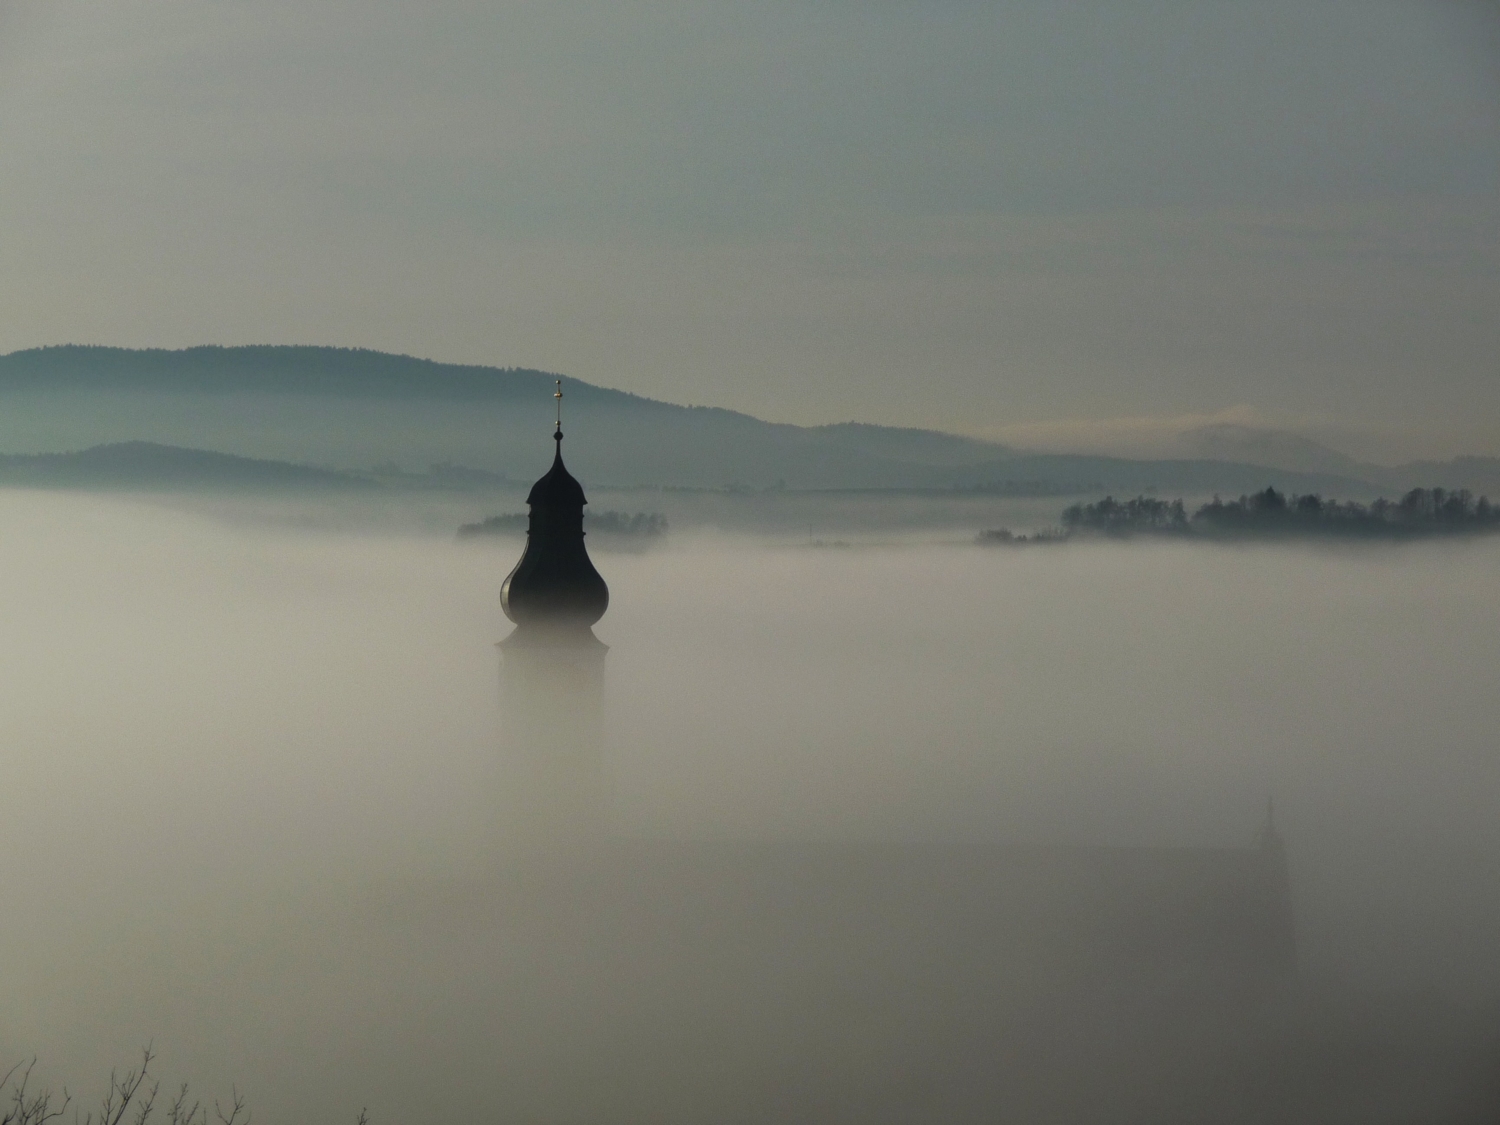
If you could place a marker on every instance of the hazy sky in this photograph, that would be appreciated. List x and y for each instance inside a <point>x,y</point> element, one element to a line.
<point>967,215</point>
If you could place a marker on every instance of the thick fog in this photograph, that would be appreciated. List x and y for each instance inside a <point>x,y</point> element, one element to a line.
<point>261,808</point>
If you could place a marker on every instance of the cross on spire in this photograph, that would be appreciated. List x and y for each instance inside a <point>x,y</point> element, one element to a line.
<point>557,394</point>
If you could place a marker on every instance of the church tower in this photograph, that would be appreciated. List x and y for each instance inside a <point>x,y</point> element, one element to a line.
<point>1277,934</point>
<point>551,664</point>
<point>555,588</point>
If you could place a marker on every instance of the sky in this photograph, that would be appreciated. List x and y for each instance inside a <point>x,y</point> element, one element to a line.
<point>1073,224</point>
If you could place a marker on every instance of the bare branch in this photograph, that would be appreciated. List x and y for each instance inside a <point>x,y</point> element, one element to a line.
<point>35,1109</point>
<point>128,1095</point>
<point>144,1110</point>
<point>4,1082</point>
<point>125,1089</point>
<point>235,1108</point>
<point>180,1113</point>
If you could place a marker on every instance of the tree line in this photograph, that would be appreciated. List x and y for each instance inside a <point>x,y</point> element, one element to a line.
<point>1422,512</point>
<point>639,525</point>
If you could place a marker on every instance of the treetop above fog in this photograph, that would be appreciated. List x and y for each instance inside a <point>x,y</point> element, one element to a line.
<point>1422,512</point>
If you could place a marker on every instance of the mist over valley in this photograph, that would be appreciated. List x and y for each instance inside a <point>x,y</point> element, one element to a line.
<point>265,810</point>
<point>640,563</point>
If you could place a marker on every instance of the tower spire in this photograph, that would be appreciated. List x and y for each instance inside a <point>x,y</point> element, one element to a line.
<point>555,583</point>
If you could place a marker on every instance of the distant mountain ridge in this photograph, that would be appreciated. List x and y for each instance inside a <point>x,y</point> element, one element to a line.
<point>351,409</point>
<point>1231,441</point>
<point>271,369</point>
<point>144,464</point>
<point>355,408</point>
<point>1284,450</point>
<point>152,466</point>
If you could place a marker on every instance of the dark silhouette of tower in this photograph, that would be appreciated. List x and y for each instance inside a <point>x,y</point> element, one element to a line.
<point>555,587</point>
<point>552,665</point>
<point>1278,935</point>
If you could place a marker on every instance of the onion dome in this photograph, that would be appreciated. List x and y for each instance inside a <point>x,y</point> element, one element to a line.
<point>555,582</point>
<point>557,489</point>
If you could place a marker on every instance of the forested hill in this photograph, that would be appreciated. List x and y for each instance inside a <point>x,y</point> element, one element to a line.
<point>144,465</point>
<point>354,373</point>
<point>350,409</point>
<point>353,409</point>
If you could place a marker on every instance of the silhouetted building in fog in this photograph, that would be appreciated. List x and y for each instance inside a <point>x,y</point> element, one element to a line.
<point>552,665</point>
<point>869,982</point>
<point>555,589</point>
<point>1226,911</point>
<point>901,980</point>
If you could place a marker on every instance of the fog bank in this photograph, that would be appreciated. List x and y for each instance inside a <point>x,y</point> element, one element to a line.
<point>254,778</point>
